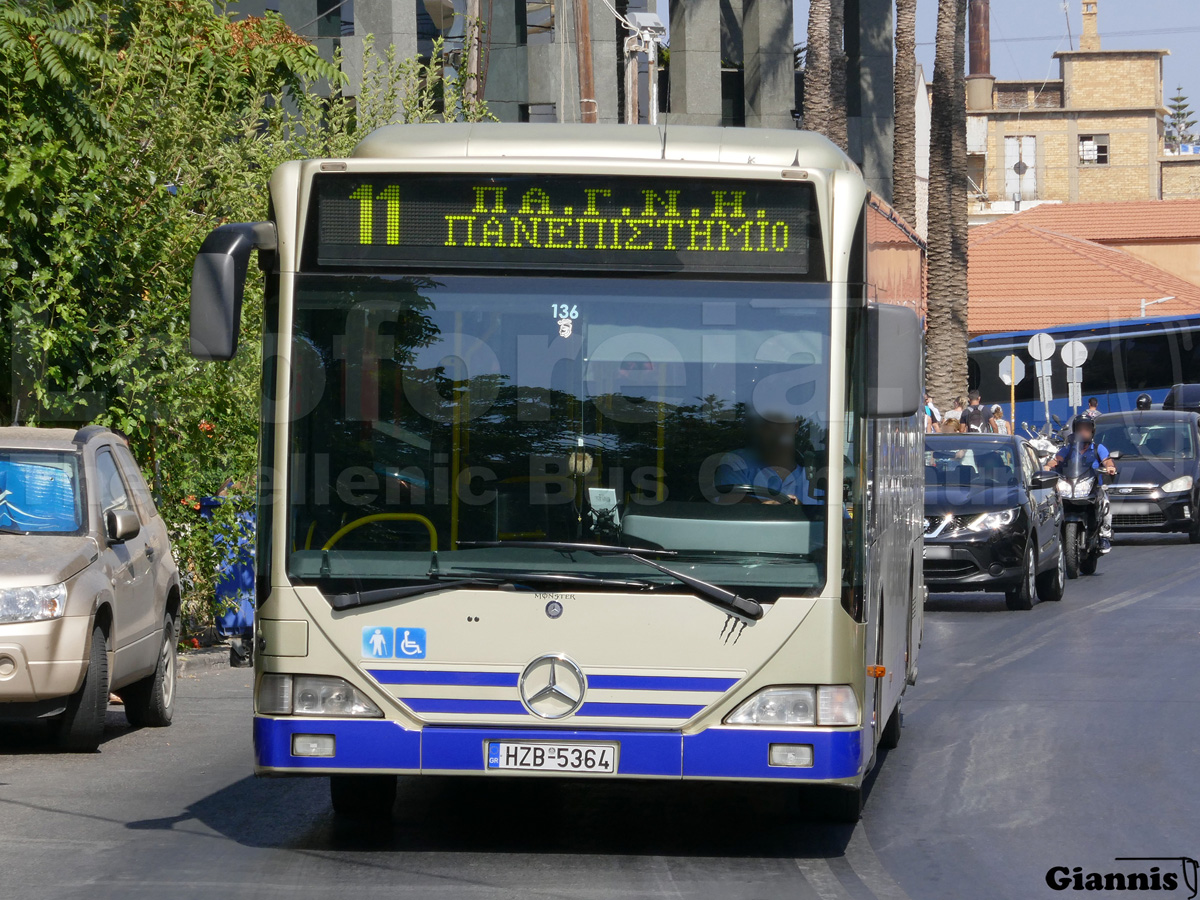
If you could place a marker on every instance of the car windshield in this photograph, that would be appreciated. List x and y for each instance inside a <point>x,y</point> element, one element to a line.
<point>432,416</point>
<point>39,492</point>
<point>1147,440</point>
<point>966,462</point>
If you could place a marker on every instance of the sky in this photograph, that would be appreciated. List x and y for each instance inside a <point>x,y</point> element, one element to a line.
<point>1161,25</point>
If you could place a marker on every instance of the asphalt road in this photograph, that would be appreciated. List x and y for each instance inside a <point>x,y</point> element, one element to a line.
<point>1064,736</point>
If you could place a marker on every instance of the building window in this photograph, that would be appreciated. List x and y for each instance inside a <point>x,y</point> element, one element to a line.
<point>1093,149</point>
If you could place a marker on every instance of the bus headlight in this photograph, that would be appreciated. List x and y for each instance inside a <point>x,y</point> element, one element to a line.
<point>313,695</point>
<point>826,704</point>
<point>1179,485</point>
<point>778,706</point>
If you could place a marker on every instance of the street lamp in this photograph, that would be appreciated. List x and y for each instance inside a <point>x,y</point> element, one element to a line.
<point>1148,303</point>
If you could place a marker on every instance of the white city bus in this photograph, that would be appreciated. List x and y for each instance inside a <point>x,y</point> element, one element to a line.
<point>587,451</point>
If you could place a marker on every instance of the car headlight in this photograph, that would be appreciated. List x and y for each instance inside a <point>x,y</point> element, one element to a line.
<point>1178,485</point>
<point>993,520</point>
<point>32,604</point>
<point>1080,490</point>
<point>827,704</point>
<point>312,695</point>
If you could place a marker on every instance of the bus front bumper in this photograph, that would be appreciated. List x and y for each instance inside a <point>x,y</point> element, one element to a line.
<point>719,753</point>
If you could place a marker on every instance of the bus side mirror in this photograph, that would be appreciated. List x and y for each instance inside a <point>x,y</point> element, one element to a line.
<point>895,360</point>
<point>218,283</point>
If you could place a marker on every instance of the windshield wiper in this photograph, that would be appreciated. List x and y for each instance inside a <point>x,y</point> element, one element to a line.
<point>478,578</point>
<point>386,595</point>
<point>4,529</point>
<point>743,606</point>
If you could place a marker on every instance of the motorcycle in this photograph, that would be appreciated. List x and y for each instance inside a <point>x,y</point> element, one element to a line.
<point>1044,443</point>
<point>1080,488</point>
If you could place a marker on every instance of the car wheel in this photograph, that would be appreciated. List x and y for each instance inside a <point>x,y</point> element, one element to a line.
<point>363,797</point>
<point>1022,596</point>
<point>82,725</point>
<point>1071,548</point>
<point>1053,584</point>
<point>151,701</point>
<point>889,739</point>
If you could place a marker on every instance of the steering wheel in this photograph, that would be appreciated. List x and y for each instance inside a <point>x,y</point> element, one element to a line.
<point>758,491</point>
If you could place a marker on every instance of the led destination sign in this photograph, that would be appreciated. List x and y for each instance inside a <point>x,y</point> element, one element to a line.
<point>567,222</point>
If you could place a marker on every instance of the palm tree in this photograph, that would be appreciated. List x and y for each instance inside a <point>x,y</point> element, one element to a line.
<point>946,341</point>
<point>817,99</point>
<point>904,164</point>
<point>837,74</point>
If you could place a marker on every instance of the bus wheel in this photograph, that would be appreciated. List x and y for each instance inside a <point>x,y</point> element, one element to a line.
<point>835,803</point>
<point>363,797</point>
<point>889,738</point>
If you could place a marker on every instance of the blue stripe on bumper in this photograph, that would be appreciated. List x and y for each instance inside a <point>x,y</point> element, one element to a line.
<point>744,753</point>
<point>659,683</point>
<point>641,753</point>
<point>375,744</point>
<point>358,744</point>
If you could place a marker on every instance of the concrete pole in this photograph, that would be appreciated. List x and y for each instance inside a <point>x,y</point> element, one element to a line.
<point>652,68</point>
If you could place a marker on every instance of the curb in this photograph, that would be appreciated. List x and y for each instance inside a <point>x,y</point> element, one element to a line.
<point>195,662</point>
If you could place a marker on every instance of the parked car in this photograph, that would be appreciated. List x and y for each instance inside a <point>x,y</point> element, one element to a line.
<point>1157,487</point>
<point>89,590</point>
<point>1183,398</point>
<point>992,519</point>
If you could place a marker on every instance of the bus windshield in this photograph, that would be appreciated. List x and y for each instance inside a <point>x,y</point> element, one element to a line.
<point>431,416</point>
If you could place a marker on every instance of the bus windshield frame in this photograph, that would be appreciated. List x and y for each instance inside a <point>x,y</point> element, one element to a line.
<point>634,413</point>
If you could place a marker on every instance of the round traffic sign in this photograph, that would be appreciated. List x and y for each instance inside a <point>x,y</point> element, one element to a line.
<point>1041,346</point>
<point>1012,370</point>
<point>1074,354</point>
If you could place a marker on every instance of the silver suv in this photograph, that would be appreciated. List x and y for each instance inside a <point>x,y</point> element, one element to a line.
<point>89,590</point>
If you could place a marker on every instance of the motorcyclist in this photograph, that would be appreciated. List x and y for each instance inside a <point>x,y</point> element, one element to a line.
<point>1096,455</point>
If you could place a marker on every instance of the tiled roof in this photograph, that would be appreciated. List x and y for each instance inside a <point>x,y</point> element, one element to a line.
<point>1024,277</point>
<point>1116,223</point>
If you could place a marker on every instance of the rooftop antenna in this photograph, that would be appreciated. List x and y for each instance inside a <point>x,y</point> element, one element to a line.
<point>1067,15</point>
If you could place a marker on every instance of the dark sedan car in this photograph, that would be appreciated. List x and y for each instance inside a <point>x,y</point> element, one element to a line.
<point>992,519</point>
<point>1157,486</point>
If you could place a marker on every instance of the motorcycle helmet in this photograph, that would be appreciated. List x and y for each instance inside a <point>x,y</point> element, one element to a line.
<point>1144,401</point>
<point>1082,422</point>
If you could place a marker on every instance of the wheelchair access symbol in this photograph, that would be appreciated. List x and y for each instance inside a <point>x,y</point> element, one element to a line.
<point>410,643</point>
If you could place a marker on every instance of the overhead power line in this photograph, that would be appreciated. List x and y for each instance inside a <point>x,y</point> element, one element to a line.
<point>1144,32</point>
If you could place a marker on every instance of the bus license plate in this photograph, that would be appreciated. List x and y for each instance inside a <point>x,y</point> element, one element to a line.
<point>600,758</point>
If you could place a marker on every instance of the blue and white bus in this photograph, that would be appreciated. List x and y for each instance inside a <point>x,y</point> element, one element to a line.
<point>1126,358</point>
<point>587,452</point>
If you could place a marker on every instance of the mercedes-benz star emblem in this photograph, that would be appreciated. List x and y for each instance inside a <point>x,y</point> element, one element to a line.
<point>552,686</point>
<point>554,609</point>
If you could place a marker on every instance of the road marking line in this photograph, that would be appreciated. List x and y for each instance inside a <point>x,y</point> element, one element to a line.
<point>869,869</point>
<point>821,879</point>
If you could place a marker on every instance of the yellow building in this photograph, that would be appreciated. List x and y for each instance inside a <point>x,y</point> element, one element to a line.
<point>1095,134</point>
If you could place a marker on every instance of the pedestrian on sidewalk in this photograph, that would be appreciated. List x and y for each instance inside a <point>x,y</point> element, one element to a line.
<point>956,410</point>
<point>999,423</point>
<point>976,417</point>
